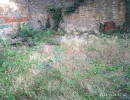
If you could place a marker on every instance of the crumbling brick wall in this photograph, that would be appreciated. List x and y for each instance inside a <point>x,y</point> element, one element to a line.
<point>12,12</point>
<point>88,17</point>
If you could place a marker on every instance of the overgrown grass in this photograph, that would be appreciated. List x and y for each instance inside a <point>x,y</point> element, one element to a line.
<point>120,33</point>
<point>93,69</point>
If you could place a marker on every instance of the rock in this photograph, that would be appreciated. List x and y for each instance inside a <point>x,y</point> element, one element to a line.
<point>76,33</point>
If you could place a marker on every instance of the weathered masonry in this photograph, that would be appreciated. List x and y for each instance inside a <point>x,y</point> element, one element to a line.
<point>12,12</point>
<point>88,17</point>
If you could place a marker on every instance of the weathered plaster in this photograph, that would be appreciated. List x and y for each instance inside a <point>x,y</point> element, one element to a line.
<point>12,12</point>
<point>88,17</point>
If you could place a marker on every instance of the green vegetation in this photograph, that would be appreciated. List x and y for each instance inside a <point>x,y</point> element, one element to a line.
<point>33,37</point>
<point>26,30</point>
<point>74,7</point>
<point>76,71</point>
<point>121,33</point>
<point>56,13</point>
<point>127,13</point>
<point>92,69</point>
<point>48,24</point>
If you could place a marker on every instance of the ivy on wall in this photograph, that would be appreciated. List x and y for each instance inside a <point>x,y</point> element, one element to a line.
<point>56,13</point>
<point>127,14</point>
<point>74,7</point>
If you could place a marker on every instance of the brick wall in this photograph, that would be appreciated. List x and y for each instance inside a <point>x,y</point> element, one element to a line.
<point>11,13</point>
<point>87,18</point>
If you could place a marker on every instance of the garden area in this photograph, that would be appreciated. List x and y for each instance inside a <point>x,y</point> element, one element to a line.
<point>48,65</point>
<point>46,60</point>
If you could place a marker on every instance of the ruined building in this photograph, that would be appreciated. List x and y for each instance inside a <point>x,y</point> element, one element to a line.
<point>89,15</point>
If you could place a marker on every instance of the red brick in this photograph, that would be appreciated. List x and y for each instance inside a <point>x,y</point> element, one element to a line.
<point>109,26</point>
<point>11,20</point>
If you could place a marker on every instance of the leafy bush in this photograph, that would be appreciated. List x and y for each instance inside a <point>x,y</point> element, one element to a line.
<point>34,37</point>
<point>121,33</point>
<point>26,31</point>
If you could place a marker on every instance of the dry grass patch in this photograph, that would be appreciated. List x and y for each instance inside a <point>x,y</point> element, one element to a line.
<point>77,69</point>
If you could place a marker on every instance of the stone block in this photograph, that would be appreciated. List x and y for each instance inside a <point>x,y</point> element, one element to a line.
<point>3,26</point>
<point>2,21</point>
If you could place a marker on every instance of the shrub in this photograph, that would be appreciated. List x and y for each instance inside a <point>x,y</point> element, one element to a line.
<point>26,31</point>
<point>1,59</point>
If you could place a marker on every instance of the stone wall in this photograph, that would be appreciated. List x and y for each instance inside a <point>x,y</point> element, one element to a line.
<point>12,12</point>
<point>38,10</point>
<point>88,17</point>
